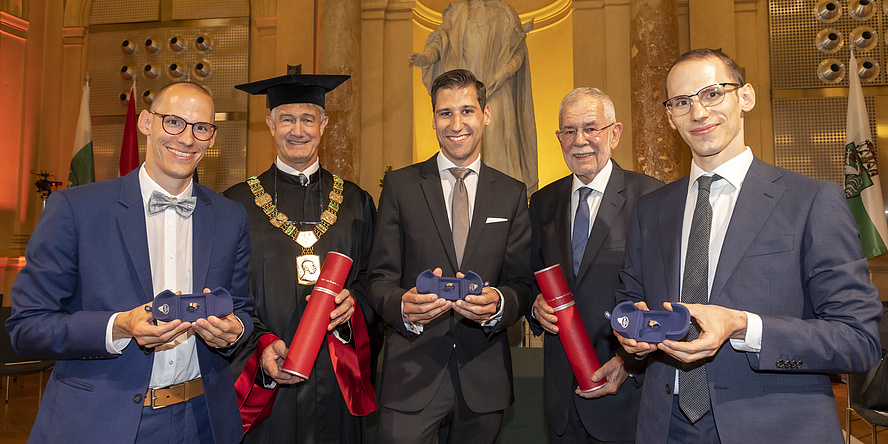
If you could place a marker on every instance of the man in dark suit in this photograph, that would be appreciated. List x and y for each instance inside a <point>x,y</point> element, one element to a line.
<point>447,371</point>
<point>588,132</point>
<point>788,284</point>
<point>97,258</point>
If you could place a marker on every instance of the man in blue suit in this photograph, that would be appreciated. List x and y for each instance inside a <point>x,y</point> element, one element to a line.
<point>787,284</point>
<point>97,258</point>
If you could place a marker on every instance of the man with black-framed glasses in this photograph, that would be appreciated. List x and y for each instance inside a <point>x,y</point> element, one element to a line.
<point>175,125</point>
<point>768,263</point>
<point>96,260</point>
<point>298,212</point>
<point>580,222</point>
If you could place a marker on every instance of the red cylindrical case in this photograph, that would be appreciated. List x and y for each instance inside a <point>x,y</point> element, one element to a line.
<point>571,331</point>
<point>313,325</point>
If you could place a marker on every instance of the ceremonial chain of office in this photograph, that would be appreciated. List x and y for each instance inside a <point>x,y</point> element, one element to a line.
<point>306,239</point>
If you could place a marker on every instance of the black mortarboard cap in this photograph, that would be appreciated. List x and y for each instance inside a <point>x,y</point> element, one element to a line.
<point>294,88</point>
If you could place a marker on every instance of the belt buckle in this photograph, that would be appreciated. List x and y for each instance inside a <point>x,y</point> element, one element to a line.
<point>153,397</point>
<point>170,388</point>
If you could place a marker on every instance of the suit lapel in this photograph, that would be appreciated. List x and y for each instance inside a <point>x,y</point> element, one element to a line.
<point>758,198</point>
<point>611,204</point>
<point>203,229</point>
<point>434,196</point>
<point>670,214</point>
<point>484,196</point>
<point>131,224</point>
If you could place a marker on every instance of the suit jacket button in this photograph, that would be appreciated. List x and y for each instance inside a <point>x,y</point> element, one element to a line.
<point>449,334</point>
<point>780,364</point>
<point>137,398</point>
<point>668,389</point>
<point>800,364</point>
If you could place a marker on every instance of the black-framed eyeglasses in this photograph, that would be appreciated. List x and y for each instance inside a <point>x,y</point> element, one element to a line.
<point>175,125</point>
<point>568,135</point>
<point>708,96</point>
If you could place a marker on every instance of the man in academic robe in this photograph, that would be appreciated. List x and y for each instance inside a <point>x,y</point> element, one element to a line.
<point>324,213</point>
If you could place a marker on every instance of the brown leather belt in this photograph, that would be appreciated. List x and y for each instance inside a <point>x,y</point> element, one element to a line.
<point>173,394</point>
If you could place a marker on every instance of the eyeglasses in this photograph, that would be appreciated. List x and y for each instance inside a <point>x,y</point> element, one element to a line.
<point>708,96</point>
<point>175,125</point>
<point>568,135</point>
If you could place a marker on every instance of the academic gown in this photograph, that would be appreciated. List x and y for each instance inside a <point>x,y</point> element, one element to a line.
<point>312,411</point>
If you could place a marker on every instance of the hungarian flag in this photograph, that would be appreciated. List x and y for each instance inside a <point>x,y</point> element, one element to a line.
<point>82,167</point>
<point>862,187</point>
<point>129,150</point>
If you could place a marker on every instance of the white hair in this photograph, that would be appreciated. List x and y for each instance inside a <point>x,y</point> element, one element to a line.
<point>595,93</point>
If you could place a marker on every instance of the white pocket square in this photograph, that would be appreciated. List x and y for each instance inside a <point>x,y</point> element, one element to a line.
<point>492,220</point>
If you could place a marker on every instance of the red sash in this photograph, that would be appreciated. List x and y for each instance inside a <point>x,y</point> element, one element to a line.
<point>351,363</point>
<point>254,400</point>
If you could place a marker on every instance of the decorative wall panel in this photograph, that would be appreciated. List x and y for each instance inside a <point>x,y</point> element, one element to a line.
<point>212,52</point>
<point>202,9</point>
<point>794,44</point>
<point>810,135</point>
<point>130,11</point>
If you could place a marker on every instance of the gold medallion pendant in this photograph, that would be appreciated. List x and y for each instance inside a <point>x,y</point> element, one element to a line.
<point>309,268</point>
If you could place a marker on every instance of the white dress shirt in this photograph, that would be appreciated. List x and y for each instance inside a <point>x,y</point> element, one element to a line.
<point>597,185</point>
<point>723,198</point>
<point>448,181</point>
<point>170,246</point>
<point>313,168</point>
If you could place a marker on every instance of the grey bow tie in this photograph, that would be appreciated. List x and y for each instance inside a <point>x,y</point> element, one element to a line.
<point>160,202</point>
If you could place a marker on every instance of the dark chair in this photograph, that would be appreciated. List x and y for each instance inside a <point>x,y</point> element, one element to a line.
<point>875,418</point>
<point>12,364</point>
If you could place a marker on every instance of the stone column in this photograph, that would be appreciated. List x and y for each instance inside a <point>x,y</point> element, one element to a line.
<point>398,102</point>
<point>339,52</point>
<point>653,30</point>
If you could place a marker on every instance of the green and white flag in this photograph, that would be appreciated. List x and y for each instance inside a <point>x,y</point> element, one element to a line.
<point>82,167</point>
<point>862,187</point>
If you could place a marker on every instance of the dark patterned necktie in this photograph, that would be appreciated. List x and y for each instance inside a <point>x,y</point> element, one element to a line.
<point>693,398</point>
<point>159,202</point>
<point>460,212</point>
<point>580,236</point>
<point>302,179</point>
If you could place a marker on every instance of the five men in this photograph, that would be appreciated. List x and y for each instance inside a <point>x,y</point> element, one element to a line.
<point>581,222</point>
<point>447,371</point>
<point>323,213</point>
<point>765,257</point>
<point>97,258</point>
<point>760,255</point>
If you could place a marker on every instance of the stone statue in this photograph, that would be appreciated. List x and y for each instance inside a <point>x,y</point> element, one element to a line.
<point>487,38</point>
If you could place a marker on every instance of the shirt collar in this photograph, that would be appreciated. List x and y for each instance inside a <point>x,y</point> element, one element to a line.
<point>313,168</point>
<point>733,171</point>
<point>599,183</point>
<point>148,186</point>
<point>445,164</point>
